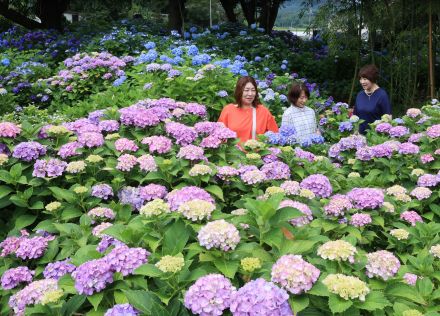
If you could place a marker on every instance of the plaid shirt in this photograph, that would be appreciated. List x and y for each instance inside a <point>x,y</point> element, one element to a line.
<point>303,119</point>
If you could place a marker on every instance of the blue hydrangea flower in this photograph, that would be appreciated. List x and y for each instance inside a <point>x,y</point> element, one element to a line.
<point>119,81</point>
<point>345,126</point>
<point>150,45</point>
<point>192,50</point>
<point>287,130</point>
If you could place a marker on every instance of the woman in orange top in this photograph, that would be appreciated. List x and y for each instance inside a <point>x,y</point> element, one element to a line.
<point>248,118</point>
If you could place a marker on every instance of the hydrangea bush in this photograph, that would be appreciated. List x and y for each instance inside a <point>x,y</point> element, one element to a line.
<point>148,207</point>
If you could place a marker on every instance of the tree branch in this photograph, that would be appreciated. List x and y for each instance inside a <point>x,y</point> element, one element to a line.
<point>16,17</point>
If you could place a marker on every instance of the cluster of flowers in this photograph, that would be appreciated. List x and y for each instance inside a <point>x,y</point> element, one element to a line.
<point>26,247</point>
<point>93,276</point>
<point>213,294</point>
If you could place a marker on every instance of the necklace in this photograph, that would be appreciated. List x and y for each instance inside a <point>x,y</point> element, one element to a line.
<point>369,94</point>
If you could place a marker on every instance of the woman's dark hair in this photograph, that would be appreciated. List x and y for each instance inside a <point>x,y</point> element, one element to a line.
<point>239,87</point>
<point>370,72</point>
<point>295,92</point>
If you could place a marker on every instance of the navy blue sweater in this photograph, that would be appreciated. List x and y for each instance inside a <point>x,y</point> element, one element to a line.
<point>371,108</point>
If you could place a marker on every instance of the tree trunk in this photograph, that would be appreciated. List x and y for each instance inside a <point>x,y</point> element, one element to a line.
<point>431,64</point>
<point>51,13</point>
<point>269,14</point>
<point>249,9</point>
<point>176,10</point>
<point>228,6</point>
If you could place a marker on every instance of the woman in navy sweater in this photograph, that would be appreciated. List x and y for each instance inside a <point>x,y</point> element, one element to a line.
<point>372,102</point>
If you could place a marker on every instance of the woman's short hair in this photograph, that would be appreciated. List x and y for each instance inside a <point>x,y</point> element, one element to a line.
<point>370,72</point>
<point>239,88</point>
<point>295,92</point>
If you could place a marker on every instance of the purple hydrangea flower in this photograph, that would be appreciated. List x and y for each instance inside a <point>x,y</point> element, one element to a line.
<point>382,264</point>
<point>338,205</point>
<point>31,294</point>
<point>125,144</point>
<point>108,241</point>
<point>196,109</point>
<point>382,150</point>
<point>209,295</point>
<point>191,152</point>
<point>28,151</point>
<point>408,149</point>
<point>69,150</point>
<point>318,184</point>
<point>9,130</point>
<point>139,116</point>
<point>398,131</point>
<point>259,297</point>
<point>294,274</point>
<point>276,170</point>
<point>153,191</point>
<point>159,144</point>
<point>177,197</point>
<point>32,248</point>
<point>125,260</point>
<point>12,277</point>
<point>126,162</point>
<point>108,125</point>
<point>103,191</point>
<point>366,198</point>
<point>364,153</point>
<point>130,195</point>
<point>91,139</point>
<point>226,172</point>
<point>360,220</point>
<point>92,276</point>
<point>183,134</point>
<point>383,127</point>
<point>410,278</point>
<point>56,270</point>
<point>411,217</point>
<point>428,180</point>
<point>303,154</point>
<point>147,163</point>
<point>433,131</point>
<point>219,234</point>
<point>122,310</point>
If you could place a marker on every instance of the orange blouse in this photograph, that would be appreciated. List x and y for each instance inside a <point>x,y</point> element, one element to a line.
<point>240,120</point>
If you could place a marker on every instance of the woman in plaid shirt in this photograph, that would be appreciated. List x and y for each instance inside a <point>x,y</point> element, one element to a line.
<point>298,115</point>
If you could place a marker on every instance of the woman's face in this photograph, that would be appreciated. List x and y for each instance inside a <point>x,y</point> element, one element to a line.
<point>366,84</point>
<point>249,93</point>
<point>302,100</point>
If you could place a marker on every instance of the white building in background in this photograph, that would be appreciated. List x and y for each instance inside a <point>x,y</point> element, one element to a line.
<point>72,16</point>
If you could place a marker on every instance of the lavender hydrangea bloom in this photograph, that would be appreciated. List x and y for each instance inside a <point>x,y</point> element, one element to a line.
<point>32,248</point>
<point>92,276</point>
<point>122,310</point>
<point>276,170</point>
<point>147,163</point>
<point>303,154</point>
<point>159,144</point>
<point>108,125</point>
<point>125,260</point>
<point>428,180</point>
<point>210,142</point>
<point>259,297</point>
<point>318,184</point>
<point>12,277</point>
<point>411,217</point>
<point>53,167</point>
<point>364,153</point>
<point>360,220</point>
<point>338,205</point>
<point>31,294</point>
<point>433,131</point>
<point>191,152</point>
<point>10,245</point>
<point>69,150</point>
<point>383,127</point>
<point>408,149</point>
<point>108,241</point>
<point>294,274</point>
<point>209,295</point>
<point>382,264</point>
<point>177,197</point>
<point>28,151</point>
<point>91,139</point>
<point>219,234</point>
<point>153,191</point>
<point>103,191</point>
<point>184,135</point>
<point>139,116</point>
<point>196,109</point>
<point>55,270</point>
<point>398,131</point>
<point>366,198</point>
<point>131,196</point>
<point>226,172</point>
